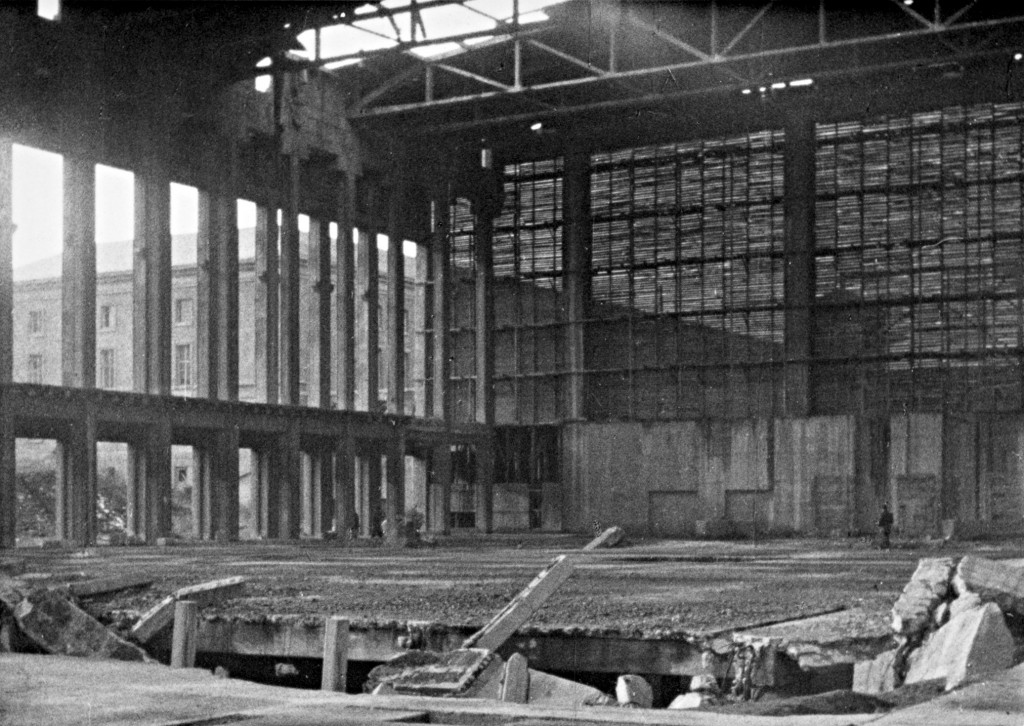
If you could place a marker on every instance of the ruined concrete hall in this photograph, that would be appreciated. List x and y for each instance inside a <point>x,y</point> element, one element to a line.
<point>422,291</point>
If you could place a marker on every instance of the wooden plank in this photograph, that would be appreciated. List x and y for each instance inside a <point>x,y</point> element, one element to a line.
<point>335,667</point>
<point>611,537</point>
<point>522,606</point>
<point>104,585</point>
<point>183,641</point>
<point>162,614</point>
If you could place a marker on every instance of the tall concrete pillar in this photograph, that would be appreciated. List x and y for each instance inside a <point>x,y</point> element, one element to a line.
<point>78,281</point>
<point>266,491</point>
<point>291,339</point>
<point>345,298</point>
<point>440,322</point>
<point>396,296</point>
<point>441,489</point>
<point>6,263</point>
<point>209,251</point>
<point>151,323</point>
<point>215,493</point>
<point>370,269</point>
<point>576,256</point>
<point>375,501</point>
<point>227,287</point>
<point>798,206</point>
<point>322,480</point>
<point>76,490</point>
<point>318,336</point>
<point>394,505</point>
<point>149,501</point>
<point>267,314</point>
<point>288,472</point>
<point>8,503</point>
<point>344,486</point>
<point>484,225</point>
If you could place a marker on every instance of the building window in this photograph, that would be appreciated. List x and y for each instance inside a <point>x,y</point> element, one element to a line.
<point>35,322</point>
<point>181,475</point>
<point>183,311</point>
<point>48,9</point>
<point>107,318</point>
<point>35,368</point>
<point>183,366</point>
<point>105,372</point>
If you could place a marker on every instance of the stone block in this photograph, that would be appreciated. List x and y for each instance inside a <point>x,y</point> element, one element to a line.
<point>611,537</point>
<point>928,586</point>
<point>424,673</point>
<point>690,701</point>
<point>972,644</point>
<point>57,626</point>
<point>633,690</point>
<point>515,682</point>
<point>963,603</point>
<point>877,675</point>
<point>992,581</point>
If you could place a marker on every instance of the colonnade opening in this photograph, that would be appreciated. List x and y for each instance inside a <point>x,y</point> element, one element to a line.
<point>37,477</point>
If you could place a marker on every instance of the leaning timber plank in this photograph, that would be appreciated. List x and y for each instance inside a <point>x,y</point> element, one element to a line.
<point>522,606</point>
<point>104,585</point>
<point>161,615</point>
<point>611,537</point>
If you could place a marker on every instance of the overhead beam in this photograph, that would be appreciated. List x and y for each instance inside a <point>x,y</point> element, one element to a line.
<point>1011,26</point>
<point>746,29</point>
<point>567,57</point>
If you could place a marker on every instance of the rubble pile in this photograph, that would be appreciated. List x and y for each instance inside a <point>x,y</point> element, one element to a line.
<point>954,622</point>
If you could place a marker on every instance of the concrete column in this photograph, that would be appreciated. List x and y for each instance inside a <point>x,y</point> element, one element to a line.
<point>267,309</point>
<point>396,296</point>
<point>576,254</point>
<point>345,298</point>
<point>319,348</point>
<point>209,249</point>
<point>394,505</point>
<point>76,490</point>
<point>799,169</point>
<point>6,267</point>
<point>267,487</point>
<point>290,330</point>
<point>323,492</point>
<point>288,472</point>
<point>8,499</point>
<point>375,502</point>
<point>344,486</point>
<point>225,511</point>
<point>441,489</point>
<point>485,485</point>
<point>227,288</point>
<point>78,282</point>
<point>371,270</point>
<point>151,323</point>
<point>484,320</point>
<point>149,483</point>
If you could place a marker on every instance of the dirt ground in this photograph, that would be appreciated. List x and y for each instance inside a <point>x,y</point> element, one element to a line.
<point>645,588</point>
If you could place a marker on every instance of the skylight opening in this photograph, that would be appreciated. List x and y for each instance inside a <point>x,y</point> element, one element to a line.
<point>437,50</point>
<point>342,63</point>
<point>48,9</point>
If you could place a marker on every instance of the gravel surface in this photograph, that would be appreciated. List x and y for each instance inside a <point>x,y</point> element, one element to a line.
<point>650,588</point>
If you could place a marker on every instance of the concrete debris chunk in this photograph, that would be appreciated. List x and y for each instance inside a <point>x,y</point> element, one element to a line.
<point>928,586</point>
<point>963,603</point>
<point>106,585</point>
<point>58,626</point>
<point>555,692</point>
<point>877,675</point>
<point>992,581</point>
<point>515,682</point>
<point>611,537</point>
<point>689,701</point>
<point>972,644</point>
<point>161,615</point>
<point>634,691</point>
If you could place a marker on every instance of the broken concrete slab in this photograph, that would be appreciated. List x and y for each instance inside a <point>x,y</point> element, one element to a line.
<point>552,691</point>
<point>877,675</point>
<point>522,606</point>
<point>973,644</point>
<point>423,673</point>
<point>58,626</point>
<point>963,603</point>
<point>634,691</point>
<point>106,585</point>
<point>992,581</point>
<point>161,615</point>
<point>611,537</point>
<point>928,586</point>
